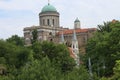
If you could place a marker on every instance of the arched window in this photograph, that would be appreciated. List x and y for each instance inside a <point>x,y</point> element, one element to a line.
<point>50,33</point>
<point>84,40</point>
<point>43,22</point>
<point>53,22</point>
<point>73,46</point>
<point>51,40</point>
<point>48,22</point>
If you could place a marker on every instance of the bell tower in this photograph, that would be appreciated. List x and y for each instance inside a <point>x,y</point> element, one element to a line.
<point>77,24</point>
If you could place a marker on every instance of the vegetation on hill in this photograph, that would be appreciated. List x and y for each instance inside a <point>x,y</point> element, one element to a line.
<point>41,61</point>
<point>49,61</point>
<point>104,49</point>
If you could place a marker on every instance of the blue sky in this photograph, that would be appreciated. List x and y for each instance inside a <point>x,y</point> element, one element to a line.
<point>17,14</point>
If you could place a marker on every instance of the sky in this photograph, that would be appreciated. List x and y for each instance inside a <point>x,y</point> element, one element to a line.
<point>15,15</point>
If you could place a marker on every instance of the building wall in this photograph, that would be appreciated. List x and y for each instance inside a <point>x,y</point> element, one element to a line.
<point>77,25</point>
<point>81,37</point>
<point>46,35</point>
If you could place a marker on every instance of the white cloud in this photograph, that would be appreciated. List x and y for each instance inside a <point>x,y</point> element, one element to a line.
<point>90,12</point>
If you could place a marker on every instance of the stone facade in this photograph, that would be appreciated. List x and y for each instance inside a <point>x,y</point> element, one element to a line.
<point>44,33</point>
<point>82,36</point>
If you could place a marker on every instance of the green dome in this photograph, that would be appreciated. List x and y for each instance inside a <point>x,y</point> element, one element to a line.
<point>49,8</point>
<point>77,20</point>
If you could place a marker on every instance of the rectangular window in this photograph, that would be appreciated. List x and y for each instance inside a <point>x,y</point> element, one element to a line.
<point>43,22</point>
<point>53,22</point>
<point>48,22</point>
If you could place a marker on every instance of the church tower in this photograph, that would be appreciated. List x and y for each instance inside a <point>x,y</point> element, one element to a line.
<point>77,24</point>
<point>49,16</point>
<point>75,48</point>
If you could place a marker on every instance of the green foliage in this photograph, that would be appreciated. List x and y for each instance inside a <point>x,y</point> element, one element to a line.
<point>7,51</point>
<point>78,74</point>
<point>106,27</point>
<point>41,61</point>
<point>23,56</point>
<point>37,49</point>
<point>16,40</point>
<point>13,56</point>
<point>34,36</point>
<point>59,55</point>
<point>44,70</point>
<point>116,71</point>
<point>104,48</point>
<point>104,78</point>
<point>4,78</point>
<point>38,70</point>
<point>2,60</point>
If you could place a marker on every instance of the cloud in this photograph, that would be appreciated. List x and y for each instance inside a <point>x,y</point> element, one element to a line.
<point>17,14</point>
<point>21,5</point>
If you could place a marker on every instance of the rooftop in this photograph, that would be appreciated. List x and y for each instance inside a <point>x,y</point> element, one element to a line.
<point>70,31</point>
<point>48,8</point>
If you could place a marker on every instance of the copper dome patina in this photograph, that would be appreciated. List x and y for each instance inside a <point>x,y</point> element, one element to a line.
<point>48,8</point>
<point>77,20</point>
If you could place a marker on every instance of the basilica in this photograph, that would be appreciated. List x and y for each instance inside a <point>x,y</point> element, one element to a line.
<point>49,29</point>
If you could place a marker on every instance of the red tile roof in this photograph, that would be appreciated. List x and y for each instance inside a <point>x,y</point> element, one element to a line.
<point>70,31</point>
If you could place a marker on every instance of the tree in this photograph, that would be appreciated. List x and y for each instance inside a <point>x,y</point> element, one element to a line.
<point>38,70</point>
<point>104,48</point>
<point>23,56</point>
<point>16,40</point>
<point>34,36</point>
<point>105,27</point>
<point>7,52</point>
<point>59,55</point>
<point>78,74</point>
<point>14,57</point>
<point>116,71</point>
<point>37,49</point>
<point>4,78</point>
<point>44,70</point>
